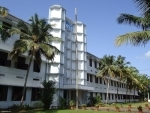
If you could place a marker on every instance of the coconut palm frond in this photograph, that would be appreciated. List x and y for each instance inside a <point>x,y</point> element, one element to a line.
<point>141,22</point>
<point>48,51</point>
<point>144,6</point>
<point>24,28</point>
<point>52,39</point>
<point>135,38</point>
<point>14,31</point>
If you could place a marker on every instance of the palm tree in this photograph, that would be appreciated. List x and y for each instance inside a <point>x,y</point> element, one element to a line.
<point>120,63</point>
<point>3,32</point>
<point>3,11</point>
<point>143,22</point>
<point>130,79</point>
<point>36,41</point>
<point>107,70</point>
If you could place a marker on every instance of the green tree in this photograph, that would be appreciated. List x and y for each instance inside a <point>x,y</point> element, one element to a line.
<point>36,40</point>
<point>107,70</point>
<point>47,93</point>
<point>3,11</point>
<point>121,64</point>
<point>140,37</point>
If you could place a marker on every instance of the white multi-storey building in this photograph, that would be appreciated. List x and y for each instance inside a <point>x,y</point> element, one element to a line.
<point>62,70</point>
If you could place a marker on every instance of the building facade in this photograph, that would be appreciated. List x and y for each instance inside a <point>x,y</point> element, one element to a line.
<point>62,70</point>
<point>100,85</point>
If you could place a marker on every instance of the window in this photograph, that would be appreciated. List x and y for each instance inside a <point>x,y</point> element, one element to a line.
<point>104,82</point>
<point>95,63</point>
<point>87,77</point>
<point>109,96</point>
<point>112,96</point>
<point>3,58</point>
<point>111,83</point>
<point>91,80</point>
<point>118,96</point>
<point>90,61</point>
<point>20,64</point>
<point>100,80</point>
<point>115,83</point>
<point>36,67</point>
<point>91,94</point>
<point>99,64</point>
<point>36,94</point>
<point>3,92</point>
<point>96,79</point>
<point>105,96</point>
<point>17,93</point>
<point>96,94</point>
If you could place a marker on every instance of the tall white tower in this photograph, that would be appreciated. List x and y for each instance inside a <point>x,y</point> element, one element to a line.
<point>63,70</point>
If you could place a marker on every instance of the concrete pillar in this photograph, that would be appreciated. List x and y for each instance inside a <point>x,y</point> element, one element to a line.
<point>9,93</point>
<point>28,95</point>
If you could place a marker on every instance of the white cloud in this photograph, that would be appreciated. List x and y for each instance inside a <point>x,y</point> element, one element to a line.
<point>147,54</point>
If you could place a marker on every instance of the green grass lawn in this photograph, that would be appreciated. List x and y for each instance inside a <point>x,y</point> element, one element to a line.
<point>71,111</point>
<point>102,110</point>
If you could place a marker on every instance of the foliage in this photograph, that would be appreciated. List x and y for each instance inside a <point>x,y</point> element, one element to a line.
<point>62,102</point>
<point>14,107</point>
<point>27,107</point>
<point>18,107</point>
<point>92,100</point>
<point>83,105</point>
<point>117,107</point>
<point>129,105</point>
<point>71,103</point>
<point>38,105</point>
<point>139,108</point>
<point>96,105</point>
<point>3,11</point>
<point>98,99</point>
<point>47,93</point>
<point>146,104</point>
<point>143,22</point>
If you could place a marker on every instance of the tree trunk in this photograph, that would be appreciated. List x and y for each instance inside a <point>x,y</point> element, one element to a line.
<point>26,77</point>
<point>107,91</point>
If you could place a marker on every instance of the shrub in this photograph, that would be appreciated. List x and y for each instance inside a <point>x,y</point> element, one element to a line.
<point>117,107</point>
<point>38,105</point>
<point>47,93</point>
<point>139,108</point>
<point>27,107</point>
<point>62,102</point>
<point>71,103</point>
<point>83,105</point>
<point>96,105</point>
<point>13,107</point>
